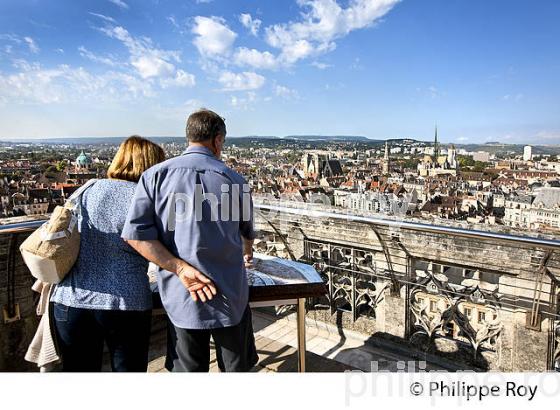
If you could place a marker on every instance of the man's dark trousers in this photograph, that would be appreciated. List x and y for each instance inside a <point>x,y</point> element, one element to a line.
<point>188,350</point>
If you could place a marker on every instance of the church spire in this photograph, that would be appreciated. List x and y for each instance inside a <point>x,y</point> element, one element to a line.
<point>436,147</point>
<point>386,159</point>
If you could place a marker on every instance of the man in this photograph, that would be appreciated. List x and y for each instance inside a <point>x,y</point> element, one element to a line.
<point>192,216</point>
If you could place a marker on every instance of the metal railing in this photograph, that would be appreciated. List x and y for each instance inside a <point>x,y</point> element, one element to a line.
<point>447,274</point>
<point>341,215</point>
<point>20,227</point>
<point>402,224</point>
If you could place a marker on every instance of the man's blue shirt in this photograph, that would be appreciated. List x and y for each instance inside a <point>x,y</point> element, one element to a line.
<point>198,208</point>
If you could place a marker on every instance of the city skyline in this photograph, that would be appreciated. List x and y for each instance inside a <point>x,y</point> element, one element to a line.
<point>301,138</point>
<point>381,69</point>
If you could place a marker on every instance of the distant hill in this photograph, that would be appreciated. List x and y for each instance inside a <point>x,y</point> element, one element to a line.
<point>315,141</point>
<point>117,140</point>
<point>327,138</point>
<point>510,148</point>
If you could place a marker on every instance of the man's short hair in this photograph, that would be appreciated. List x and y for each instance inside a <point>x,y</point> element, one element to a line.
<point>203,125</point>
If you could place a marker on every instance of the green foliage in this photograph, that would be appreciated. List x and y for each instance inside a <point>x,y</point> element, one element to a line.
<point>479,166</point>
<point>292,157</point>
<point>61,166</point>
<point>410,163</point>
<point>465,161</point>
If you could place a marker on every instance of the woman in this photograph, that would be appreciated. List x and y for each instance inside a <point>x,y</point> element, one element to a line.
<point>106,296</point>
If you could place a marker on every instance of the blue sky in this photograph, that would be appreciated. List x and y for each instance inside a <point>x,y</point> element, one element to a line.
<point>483,70</point>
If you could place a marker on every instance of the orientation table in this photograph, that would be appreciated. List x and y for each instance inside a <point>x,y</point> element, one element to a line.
<point>278,282</point>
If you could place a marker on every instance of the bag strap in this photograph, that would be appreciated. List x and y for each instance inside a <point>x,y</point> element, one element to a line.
<point>72,202</point>
<point>72,205</point>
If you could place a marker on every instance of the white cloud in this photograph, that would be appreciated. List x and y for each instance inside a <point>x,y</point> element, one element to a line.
<point>513,97</point>
<point>103,17</point>
<point>177,113</point>
<point>34,84</point>
<point>31,44</point>
<point>241,81</point>
<point>119,3</point>
<point>296,51</point>
<point>85,53</point>
<point>25,41</point>
<point>181,79</point>
<point>357,65</point>
<point>243,103</point>
<point>173,21</point>
<point>11,37</point>
<point>322,22</point>
<point>333,87</point>
<point>151,65</point>
<point>285,92</point>
<point>320,66</point>
<point>133,85</point>
<point>434,92</point>
<point>213,37</point>
<point>148,60</point>
<point>254,58</point>
<point>253,25</point>
<point>234,101</point>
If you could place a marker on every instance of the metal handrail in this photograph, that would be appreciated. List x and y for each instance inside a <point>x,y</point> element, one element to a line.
<point>416,226</point>
<point>21,226</point>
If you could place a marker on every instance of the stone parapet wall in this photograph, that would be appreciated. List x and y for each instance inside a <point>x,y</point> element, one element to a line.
<point>375,273</point>
<point>16,335</point>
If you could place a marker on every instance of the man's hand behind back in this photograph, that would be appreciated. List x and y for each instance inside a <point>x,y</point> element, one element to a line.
<point>248,252</point>
<point>197,284</point>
